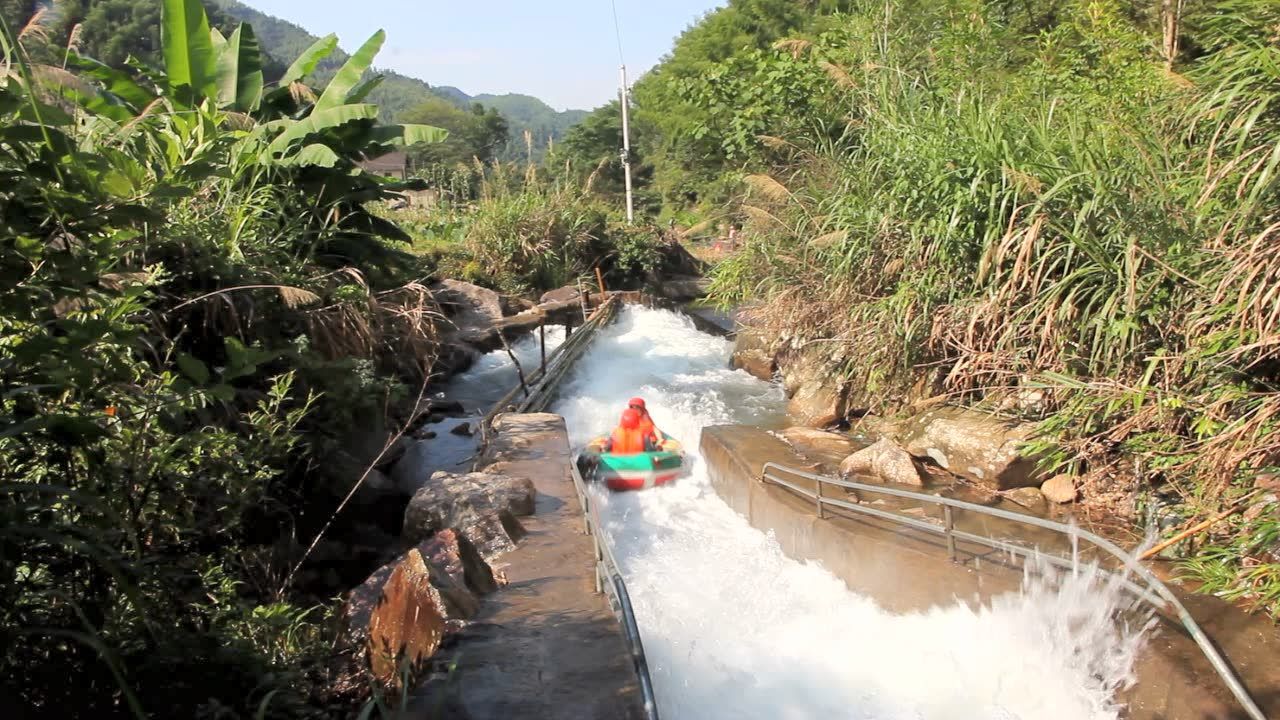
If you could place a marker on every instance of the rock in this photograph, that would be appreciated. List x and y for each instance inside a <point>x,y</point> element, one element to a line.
<point>820,441</point>
<point>455,569</point>
<point>448,574</point>
<point>972,493</point>
<point>482,506</point>
<point>377,490</point>
<point>817,405</point>
<point>364,533</point>
<point>515,305</point>
<point>678,260</point>
<point>1029,498</point>
<point>753,354</point>
<point>1060,489</point>
<point>462,429</point>
<point>453,554</point>
<point>815,400</point>
<point>470,307</point>
<point>455,357</point>
<point>884,461</point>
<point>373,445</point>
<point>378,481</point>
<point>685,287</point>
<point>447,408</point>
<point>407,623</point>
<point>564,294</point>
<point>877,427</point>
<point>975,446</point>
<point>414,468</point>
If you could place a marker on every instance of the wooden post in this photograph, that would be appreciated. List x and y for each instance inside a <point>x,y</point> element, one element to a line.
<point>600,280</point>
<point>1171,18</point>
<point>524,385</point>
<point>542,336</point>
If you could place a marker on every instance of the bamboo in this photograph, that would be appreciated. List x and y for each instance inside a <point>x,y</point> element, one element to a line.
<point>1199,527</point>
<point>514,361</point>
<point>600,280</point>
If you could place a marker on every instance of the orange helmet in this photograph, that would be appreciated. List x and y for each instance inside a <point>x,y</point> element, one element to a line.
<point>636,403</point>
<point>630,419</point>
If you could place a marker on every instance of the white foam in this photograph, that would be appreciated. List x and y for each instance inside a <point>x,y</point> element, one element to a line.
<point>493,375</point>
<point>734,629</point>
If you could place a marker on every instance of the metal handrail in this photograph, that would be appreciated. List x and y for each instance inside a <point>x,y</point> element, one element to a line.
<point>1156,592</point>
<point>607,568</point>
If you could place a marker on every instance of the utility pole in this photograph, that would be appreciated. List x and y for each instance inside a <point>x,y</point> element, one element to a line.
<point>626,144</point>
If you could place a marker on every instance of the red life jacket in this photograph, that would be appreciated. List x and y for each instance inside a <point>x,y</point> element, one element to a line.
<point>628,442</point>
<point>647,427</point>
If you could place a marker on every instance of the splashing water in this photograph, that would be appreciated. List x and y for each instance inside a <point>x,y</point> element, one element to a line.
<point>493,375</point>
<point>735,629</point>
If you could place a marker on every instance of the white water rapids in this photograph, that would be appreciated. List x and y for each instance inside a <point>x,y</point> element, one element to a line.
<point>734,629</point>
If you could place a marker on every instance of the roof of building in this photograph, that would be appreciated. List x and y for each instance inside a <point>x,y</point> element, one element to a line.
<point>397,160</point>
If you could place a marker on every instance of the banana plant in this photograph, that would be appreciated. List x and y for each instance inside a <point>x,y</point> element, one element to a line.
<point>338,124</point>
<point>239,74</point>
<point>317,141</point>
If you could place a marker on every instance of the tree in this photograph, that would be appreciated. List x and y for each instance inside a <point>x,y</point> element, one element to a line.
<point>478,134</point>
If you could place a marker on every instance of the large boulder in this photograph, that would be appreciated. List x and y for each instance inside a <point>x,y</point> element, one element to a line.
<point>483,507</point>
<point>685,287</point>
<point>407,623</point>
<point>455,569</point>
<point>820,442</point>
<point>564,294</point>
<point>877,427</point>
<point>448,574</point>
<point>452,554</point>
<point>470,307</point>
<point>816,399</point>
<point>975,446</point>
<point>884,461</point>
<point>754,354</point>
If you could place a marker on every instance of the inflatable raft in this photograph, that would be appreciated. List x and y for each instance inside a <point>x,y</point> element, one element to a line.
<point>641,471</point>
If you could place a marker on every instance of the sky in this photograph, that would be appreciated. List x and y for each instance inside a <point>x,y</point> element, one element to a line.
<point>562,51</point>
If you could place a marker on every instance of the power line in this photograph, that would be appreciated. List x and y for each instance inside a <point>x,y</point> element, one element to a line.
<point>617,31</point>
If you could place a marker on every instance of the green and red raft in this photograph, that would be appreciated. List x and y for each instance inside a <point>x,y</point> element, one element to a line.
<point>639,471</point>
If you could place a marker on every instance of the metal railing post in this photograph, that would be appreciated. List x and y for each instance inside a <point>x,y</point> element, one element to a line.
<point>948,523</point>
<point>822,511</point>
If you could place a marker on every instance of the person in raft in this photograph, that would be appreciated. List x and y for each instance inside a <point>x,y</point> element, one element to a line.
<point>628,438</point>
<point>646,422</point>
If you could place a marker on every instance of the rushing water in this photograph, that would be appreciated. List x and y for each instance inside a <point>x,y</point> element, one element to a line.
<point>493,375</point>
<point>734,629</point>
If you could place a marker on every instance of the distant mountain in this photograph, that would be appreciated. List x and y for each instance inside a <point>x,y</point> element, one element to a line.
<point>453,95</point>
<point>283,42</point>
<point>525,112</point>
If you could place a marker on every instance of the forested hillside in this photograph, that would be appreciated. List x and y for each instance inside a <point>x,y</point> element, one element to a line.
<point>399,93</point>
<point>1065,211</point>
<point>527,113</point>
<point>111,30</point>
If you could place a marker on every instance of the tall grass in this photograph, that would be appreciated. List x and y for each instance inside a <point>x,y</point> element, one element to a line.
<point>1062,215</point>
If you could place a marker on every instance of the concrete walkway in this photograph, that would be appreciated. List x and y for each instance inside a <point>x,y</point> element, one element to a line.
<point>546,646</point>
